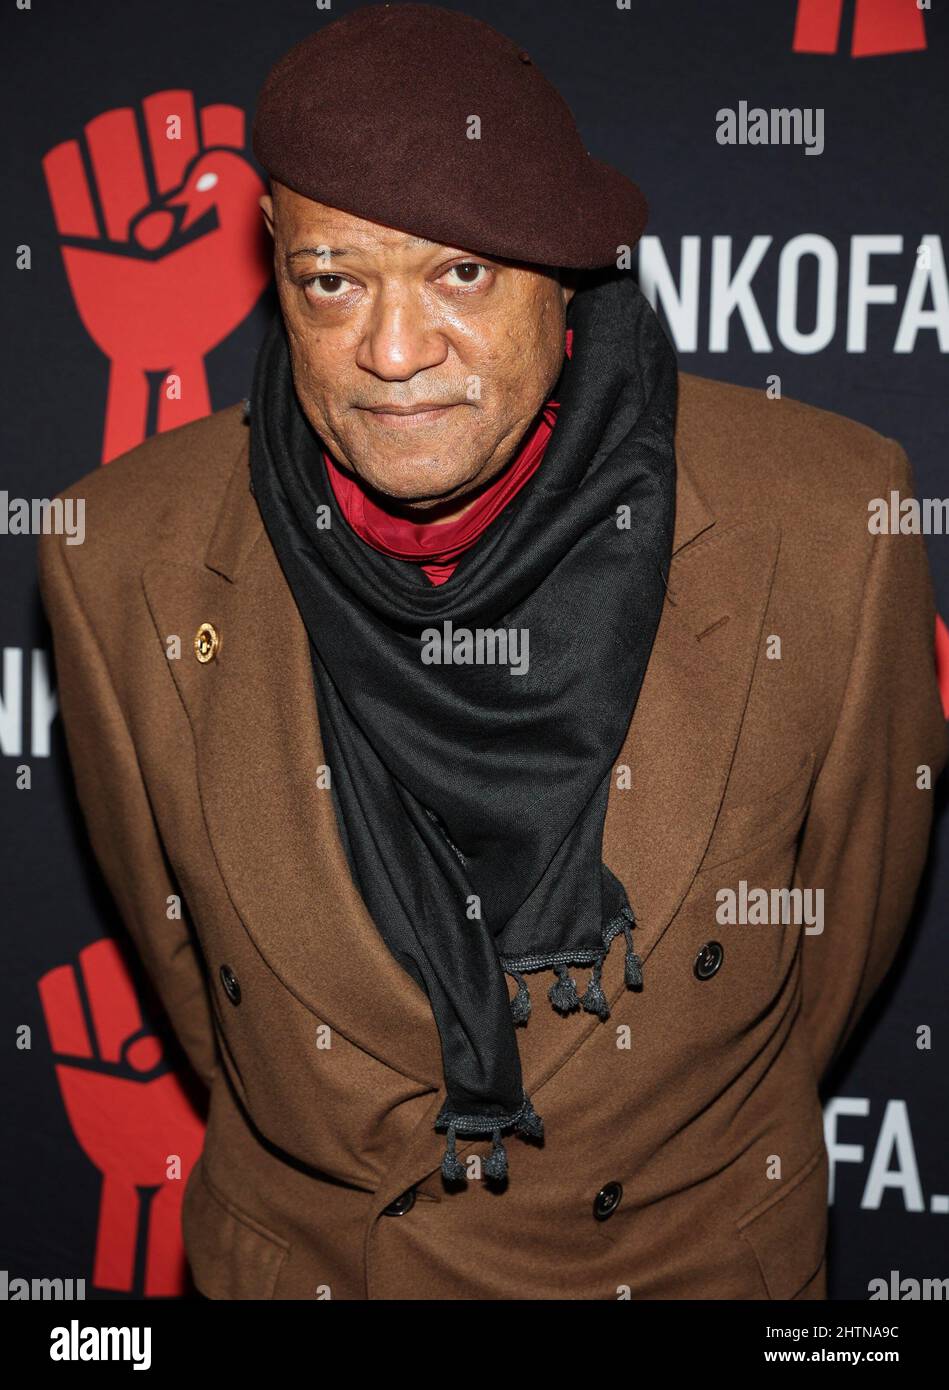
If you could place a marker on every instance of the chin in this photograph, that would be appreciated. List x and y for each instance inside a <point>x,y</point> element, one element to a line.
<point>419,489</point>
<point>421,480</point>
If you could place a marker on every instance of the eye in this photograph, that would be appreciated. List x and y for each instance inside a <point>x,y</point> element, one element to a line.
<point>465,269</point>
<point>326,286</point>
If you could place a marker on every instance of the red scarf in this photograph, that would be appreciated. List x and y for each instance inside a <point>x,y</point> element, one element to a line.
<point>440,544</point>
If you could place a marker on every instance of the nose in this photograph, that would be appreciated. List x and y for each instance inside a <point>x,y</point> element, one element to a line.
<point>400,338</point>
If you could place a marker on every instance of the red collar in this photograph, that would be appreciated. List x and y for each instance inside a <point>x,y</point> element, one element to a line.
<point>439,544</point>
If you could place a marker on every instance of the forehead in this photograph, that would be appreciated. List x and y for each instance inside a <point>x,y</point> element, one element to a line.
<point>331,226</point>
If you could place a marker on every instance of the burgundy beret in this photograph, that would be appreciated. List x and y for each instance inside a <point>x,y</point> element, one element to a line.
<point>373,113</point>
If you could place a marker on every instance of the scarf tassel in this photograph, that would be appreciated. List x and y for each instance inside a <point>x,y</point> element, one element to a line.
<point>453,1170</point>
<point>529,1122</point>
<point>563,993</point>
<point>495,1165</point>
<point>594,1000</point>
<point>633,966</point>
<point>521,1003</point>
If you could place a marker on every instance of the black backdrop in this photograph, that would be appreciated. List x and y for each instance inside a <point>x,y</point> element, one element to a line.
<point>646,82</point>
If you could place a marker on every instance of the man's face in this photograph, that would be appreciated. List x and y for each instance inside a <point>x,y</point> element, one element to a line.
<point>383,326</point>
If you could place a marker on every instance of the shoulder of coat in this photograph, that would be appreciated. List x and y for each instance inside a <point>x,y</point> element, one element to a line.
<point>164,493</point>
<point>779,458</point>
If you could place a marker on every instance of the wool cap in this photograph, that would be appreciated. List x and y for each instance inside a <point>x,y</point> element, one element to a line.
<point>434,123</point>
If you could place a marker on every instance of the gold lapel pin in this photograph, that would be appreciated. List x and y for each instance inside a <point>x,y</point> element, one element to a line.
<point>207,643</point>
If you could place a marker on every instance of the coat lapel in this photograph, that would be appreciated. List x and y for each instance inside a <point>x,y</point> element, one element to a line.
<point>273,827</point>
<point>683,735</point>
<point>679,747</point>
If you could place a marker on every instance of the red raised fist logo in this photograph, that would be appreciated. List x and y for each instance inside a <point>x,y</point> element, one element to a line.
<point>129,1114</point>
<point>163,250</point>
<point>879,26</point>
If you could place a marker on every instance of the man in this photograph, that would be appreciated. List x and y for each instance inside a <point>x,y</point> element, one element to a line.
<point>487,639</point>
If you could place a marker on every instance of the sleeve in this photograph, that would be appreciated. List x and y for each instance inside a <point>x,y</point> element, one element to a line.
<point>866,836</point>
<point>118,814</point>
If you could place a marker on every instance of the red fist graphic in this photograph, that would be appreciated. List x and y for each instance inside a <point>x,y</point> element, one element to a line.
<point>128,1113</point>
<point>164,255</point>
<point>879,26</point>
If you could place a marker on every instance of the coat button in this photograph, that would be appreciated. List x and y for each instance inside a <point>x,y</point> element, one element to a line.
<point>708,960</point>
<point>401,1204</point>
<point>607,1200</point>
<point>207,643</point>
<point>231,984</point>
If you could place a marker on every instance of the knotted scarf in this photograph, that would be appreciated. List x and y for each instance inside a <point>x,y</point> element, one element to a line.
<point>471,728</point>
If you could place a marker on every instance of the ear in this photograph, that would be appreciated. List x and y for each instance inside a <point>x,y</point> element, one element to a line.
<point>266,206</point>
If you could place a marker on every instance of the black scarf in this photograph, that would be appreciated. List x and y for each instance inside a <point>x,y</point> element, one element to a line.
<point>470,797</point>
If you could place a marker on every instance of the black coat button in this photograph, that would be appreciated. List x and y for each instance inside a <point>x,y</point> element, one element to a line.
<point>401,1205</point>
<point>607,1200</point>
<point>708,960</point>
<point>231,984</point>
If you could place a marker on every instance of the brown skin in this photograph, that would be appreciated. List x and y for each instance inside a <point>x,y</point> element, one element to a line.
<point>396,323</point>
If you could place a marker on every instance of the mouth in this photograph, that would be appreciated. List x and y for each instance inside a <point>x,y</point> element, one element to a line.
<point>403,417</point>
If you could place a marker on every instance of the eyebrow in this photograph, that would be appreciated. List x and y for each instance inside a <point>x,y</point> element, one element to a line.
<point>348,250</point>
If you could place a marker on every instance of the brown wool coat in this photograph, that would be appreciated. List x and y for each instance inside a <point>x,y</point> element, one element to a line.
<point>801,769</point>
